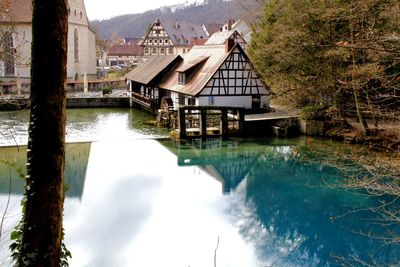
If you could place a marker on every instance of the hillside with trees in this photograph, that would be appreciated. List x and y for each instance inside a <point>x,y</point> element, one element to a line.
<point>210,11</point>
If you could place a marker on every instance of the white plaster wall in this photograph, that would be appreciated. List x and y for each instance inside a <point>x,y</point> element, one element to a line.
<point>87,52</point>
<point>227,101</point>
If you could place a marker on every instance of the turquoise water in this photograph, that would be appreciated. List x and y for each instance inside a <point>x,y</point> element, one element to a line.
<point>140,201</point>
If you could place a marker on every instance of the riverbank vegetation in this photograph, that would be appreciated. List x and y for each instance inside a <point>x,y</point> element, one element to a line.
<point>341,55</point>
<point>338,61</point>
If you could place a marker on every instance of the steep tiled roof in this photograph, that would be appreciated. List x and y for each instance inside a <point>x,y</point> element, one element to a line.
<point>154,66</point>
<point>182,33</point>
<point>196,41</point>
<point>133,40</point>
<point>213,56</point>
<point>239,27</point>
<point>219,38</point>
<point>212,28</point>
<point>125,50</point>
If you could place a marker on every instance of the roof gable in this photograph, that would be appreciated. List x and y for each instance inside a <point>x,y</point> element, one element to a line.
<point>215,56</point>
<point>180,33</point>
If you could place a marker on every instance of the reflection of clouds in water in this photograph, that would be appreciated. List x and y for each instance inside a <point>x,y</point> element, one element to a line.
<point>103,227</point>
<point>271,248</point>
<point>136,213</point>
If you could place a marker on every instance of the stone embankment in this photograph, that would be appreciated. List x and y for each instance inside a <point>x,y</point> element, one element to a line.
<point>91,99</point>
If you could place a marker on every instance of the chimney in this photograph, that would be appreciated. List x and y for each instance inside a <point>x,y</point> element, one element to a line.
<point>229,43</point>
<point>229,23</point>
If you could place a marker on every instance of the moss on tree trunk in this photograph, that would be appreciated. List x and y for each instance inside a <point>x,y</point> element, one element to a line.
<point>42,222</point>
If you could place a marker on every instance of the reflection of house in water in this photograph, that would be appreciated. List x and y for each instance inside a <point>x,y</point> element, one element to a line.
<point>224,160</point>
<point>76,161</point>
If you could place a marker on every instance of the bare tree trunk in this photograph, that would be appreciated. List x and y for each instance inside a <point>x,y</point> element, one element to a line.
<point>361,119</point>
<point>42,223</point>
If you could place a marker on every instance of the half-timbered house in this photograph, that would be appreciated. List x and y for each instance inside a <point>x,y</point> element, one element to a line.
<point>209,75</point>
<point>172,38</point>
<point>217,75</point>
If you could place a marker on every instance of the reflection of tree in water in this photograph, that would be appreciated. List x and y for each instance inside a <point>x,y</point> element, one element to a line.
<point>288,204</point>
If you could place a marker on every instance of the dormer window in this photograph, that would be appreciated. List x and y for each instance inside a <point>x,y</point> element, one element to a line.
<point>182,78</point>
<point>187,70</point>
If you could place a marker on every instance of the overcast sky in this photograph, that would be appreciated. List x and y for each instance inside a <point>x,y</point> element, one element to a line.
<point>105,9</point>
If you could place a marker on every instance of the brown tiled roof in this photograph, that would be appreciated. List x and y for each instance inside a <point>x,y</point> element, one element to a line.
<point>125,50</point>
<point>153,67</point>
<point>20,11</point>
<point>212,27</point>
<point>183,33</point>
<point>197,41</point>
<point>215,55</point>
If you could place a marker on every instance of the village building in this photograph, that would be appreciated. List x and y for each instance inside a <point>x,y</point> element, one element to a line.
<point>124,55</point>
<point>81,58</point>
<point>208,75</point>
<point>238,31</point>
<point>217,75</point>
<point>172,38</point>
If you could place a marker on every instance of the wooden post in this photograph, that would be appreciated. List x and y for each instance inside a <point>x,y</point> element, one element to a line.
<point>203,122</point>
<point>241,120</point>
<point>224,118</point>
<point>182,123</point>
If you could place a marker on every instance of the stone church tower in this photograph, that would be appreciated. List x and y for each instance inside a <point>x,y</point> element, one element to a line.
<point>17,20</point>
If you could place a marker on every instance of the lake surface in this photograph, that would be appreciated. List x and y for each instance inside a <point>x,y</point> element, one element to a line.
<point>136,198</point>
